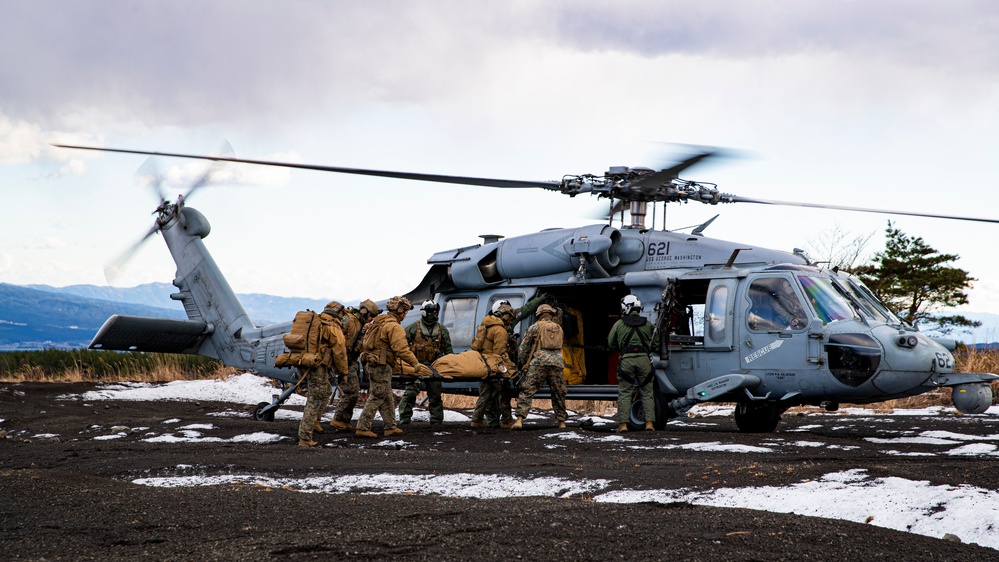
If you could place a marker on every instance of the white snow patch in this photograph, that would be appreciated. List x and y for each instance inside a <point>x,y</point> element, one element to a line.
<point>481,486</point>
<point>109,437</point>
<point>240,389</point>
<point>44,435</point>
<point>969,512</point>
<point>974,449</point>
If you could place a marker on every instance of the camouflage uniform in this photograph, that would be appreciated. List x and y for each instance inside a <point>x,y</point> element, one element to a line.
<point>632,336</point>
<point>348,383</point>
<point>390,343</point>
<point>545,365</point>
<point>496,341</point>
<point>332,347</point>
<point>428,343</point>
<point>503,388</point>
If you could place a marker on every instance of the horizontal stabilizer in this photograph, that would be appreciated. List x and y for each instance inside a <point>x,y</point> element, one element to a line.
<point>156,335</point>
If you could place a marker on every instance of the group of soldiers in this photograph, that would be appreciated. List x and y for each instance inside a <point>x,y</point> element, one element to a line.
<point>366,334</point>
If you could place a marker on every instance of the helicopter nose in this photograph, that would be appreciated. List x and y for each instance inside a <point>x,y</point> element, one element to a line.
<point>910,359</point>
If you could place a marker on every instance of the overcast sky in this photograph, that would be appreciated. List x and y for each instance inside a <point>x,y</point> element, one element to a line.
<point>882,104</point>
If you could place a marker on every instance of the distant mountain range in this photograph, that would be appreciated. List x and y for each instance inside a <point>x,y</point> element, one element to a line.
<point>40,316</point>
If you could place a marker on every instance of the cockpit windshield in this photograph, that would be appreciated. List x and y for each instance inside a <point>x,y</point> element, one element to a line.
<point>829,304</point>
<point>870,303</point>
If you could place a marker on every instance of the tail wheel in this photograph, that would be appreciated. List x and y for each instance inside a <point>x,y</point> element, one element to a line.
<point>753,418</point>
<point>260,414</point>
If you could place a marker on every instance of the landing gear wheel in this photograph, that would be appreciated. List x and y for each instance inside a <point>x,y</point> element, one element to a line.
<point>664,412</point>
<point>260,415</point>
<point>636,418</point>
<point>752,418</point>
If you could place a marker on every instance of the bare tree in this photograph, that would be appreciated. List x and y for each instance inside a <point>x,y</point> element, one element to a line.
<point>839,248</point>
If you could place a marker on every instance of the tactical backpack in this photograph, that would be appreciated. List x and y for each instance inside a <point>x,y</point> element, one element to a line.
<point>302,342</point>
<point>479,339</point>
<point>549,335</point>
<point>372,350</point>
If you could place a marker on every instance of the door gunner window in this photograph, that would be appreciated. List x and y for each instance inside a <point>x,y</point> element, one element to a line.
<point>458,317</point>
<point>774,306</point>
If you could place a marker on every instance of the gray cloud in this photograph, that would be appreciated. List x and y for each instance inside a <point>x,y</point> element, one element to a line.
<point>187,63</point>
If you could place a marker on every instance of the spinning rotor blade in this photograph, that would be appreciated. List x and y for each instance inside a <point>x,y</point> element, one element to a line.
<point>656,179</point>
<point>114,269</point>
<point>484,182</point>
<point>738,199</point>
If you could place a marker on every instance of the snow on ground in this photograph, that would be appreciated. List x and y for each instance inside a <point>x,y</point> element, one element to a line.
<point>241,389</point>
<point>897,503</point>
<point>969,512</point>
<point>481,486</point>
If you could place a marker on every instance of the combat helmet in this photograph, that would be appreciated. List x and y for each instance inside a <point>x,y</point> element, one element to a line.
<point>545,309</point>
<point>334,308</point>
<point>398,305</point>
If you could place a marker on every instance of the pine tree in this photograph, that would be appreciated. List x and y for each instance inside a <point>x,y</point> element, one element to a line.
<point>915,281</point>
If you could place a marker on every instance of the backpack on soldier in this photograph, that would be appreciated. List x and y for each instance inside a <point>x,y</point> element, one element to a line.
<point>372,350</point>
<point>302,342</point>
<point>549,335</point>
<point>479,339</point>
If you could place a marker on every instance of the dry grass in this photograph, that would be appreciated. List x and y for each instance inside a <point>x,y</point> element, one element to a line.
<point>587,407</point>
<point>74,366</point>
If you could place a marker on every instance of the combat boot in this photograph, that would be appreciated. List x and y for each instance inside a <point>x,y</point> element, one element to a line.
<point>307,443</point>
<point>316,427</point>
<point>341,425</point>
<point>622,427</point>
<point>561,425</point>
<point>507,425</point>
<point>365,433</point>
<point>519,424</point>
<point>478,424</point>
<point>393,431</point>
<point>649,426</point>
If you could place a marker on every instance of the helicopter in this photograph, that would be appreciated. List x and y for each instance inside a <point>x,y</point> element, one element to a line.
<point>765,329</point>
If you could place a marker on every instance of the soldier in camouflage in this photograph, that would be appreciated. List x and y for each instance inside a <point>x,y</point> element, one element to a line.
<point>496,340</point>
<point>542,357</point>
<point>429,340</point>
<point>354,321</point>
<point>384,341</point>
<point>498,410</point>
<point>334,353</point>
<point>632,336</point>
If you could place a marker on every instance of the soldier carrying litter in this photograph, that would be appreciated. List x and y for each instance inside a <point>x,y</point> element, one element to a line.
<point>354,322</point>
<point>429,340</point>
<point>541,354</point>
<point>333,357</point>
<point>383,341</point>
<point>492,337</point>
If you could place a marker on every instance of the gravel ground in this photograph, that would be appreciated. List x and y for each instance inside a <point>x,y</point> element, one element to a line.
<point>69,492</point>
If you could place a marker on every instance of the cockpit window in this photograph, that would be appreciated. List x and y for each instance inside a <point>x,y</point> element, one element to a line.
<point>828,303</point>
<point>870,303</point>
<point>775,306</point>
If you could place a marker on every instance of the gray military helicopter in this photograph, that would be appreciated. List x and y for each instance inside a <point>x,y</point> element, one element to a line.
<point>762,328</point>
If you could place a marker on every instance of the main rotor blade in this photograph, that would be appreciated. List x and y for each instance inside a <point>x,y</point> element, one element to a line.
<point>485,182</point>
<point>668,174</point>
<point>738,199</point>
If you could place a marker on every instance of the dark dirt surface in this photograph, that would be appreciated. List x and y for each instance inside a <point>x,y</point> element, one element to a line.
<point>73,497</point>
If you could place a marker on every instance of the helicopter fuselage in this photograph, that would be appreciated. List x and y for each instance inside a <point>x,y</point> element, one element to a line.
<point>734,323</point>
